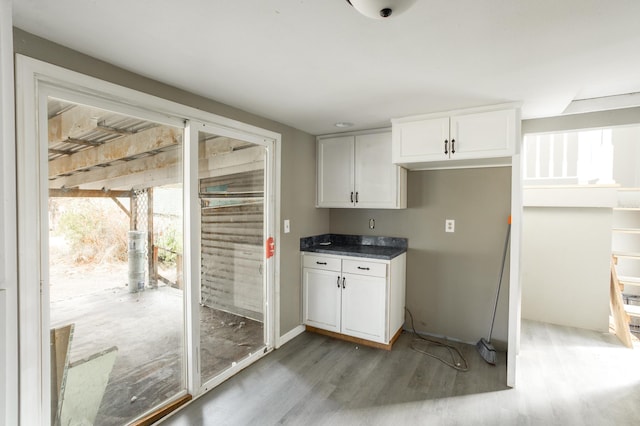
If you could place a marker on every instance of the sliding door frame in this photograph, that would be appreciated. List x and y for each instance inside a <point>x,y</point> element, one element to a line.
<point>191,193</point>
<point>35,82</point>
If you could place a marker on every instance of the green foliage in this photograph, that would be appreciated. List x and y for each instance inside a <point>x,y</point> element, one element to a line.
<point>96,229</point>
<point>169,242</point>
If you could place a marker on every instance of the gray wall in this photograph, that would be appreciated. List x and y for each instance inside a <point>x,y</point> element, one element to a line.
<point>298,157</point>
<point>451,277</point>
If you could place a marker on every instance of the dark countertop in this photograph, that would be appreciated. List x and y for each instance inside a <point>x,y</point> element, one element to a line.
<point>355,245</point>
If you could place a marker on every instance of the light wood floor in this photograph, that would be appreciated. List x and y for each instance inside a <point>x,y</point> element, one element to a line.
<point>565,376</point>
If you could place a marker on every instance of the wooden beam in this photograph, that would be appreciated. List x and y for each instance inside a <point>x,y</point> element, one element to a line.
<point>163,169</point>
<point>59,151</point>
<point>73,123</point>
<point>87,193</point>
<point>113,130</point>
<point>249,157</point>
<point>219,145</point>
<point>158,161</point>
<point>208,150</point>
<point>122,207</point>
<point>153,283</point>
<point>126,146</point>
<point>82,142</point>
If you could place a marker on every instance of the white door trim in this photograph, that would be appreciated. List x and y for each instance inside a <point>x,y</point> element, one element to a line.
<point>34,79</point>
<point>8,226</point>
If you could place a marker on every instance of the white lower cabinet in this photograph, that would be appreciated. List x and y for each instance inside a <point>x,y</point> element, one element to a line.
<point>363,307</point>
<point>322,299</point>
<point>358,297</point>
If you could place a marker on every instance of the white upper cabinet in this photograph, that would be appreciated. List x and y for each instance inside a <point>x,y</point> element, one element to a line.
<point>421,140</point>
<point>336,177</point>
<point>355,171</point>
<point>483,135</point>
<point>472,138</point>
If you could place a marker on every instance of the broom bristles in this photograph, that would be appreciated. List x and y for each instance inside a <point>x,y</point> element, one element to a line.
<point>486,351</point>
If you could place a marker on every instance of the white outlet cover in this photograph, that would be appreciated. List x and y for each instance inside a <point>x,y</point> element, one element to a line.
<point>449,225</point>
<point>287,226</point>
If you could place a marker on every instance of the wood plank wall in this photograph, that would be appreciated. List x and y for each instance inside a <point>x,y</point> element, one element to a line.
<point>232,243</point>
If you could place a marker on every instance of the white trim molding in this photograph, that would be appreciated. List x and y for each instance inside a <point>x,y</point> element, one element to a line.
<point>290,335</point>
<point>8,225</point>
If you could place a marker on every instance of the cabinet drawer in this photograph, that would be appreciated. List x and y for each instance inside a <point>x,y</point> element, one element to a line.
<point>321,262</point>
<point>373,269</point>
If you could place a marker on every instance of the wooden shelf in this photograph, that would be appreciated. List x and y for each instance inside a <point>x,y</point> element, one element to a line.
<point>627,254</point>
<point>628,280</point>
<point>632,310</point>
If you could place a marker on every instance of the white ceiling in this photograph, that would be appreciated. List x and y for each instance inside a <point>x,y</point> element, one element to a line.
<point>311,63</point>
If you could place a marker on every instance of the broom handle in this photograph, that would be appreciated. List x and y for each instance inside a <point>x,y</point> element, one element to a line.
<point>504,259</point>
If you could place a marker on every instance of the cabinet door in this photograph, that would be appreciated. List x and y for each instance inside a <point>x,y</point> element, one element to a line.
<point>321,294</point>
<point>483,135</point>
<point>376,177</point>
<point>363,307</point>
<point>335,177</point>
<point>420,141</point>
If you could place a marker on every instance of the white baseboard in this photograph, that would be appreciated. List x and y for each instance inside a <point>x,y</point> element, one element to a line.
<point>289,335</point>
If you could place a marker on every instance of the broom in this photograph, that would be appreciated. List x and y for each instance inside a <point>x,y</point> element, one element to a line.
<point>484,346</point>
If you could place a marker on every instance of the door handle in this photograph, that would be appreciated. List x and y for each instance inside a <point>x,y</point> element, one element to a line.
<point>363,269</point>
<point>352,196</point>
<point>356,196</point>
<point>338,281</point>
<point>446,150</point>
<point>321,263</point>
<point>453,146</point>
<point>343,280</point>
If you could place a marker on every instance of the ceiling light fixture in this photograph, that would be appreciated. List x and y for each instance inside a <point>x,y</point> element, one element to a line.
<point>380,9</point>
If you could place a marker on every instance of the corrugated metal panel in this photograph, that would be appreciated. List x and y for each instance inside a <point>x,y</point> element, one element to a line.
<point>232,243</point>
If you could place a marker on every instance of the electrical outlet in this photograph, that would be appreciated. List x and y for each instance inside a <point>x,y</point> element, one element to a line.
<point>287,226</point>
<point>449,225</point>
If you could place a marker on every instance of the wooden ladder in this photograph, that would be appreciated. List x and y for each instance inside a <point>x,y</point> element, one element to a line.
<point>620,311</point>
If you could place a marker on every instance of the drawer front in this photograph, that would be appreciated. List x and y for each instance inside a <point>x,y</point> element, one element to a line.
<point>373,269</point>
<point>321,262</point>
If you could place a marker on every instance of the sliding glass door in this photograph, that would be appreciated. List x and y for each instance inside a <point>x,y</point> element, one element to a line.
<point>146,249</point>
<point>116,295</point>
<point>232,276</point>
